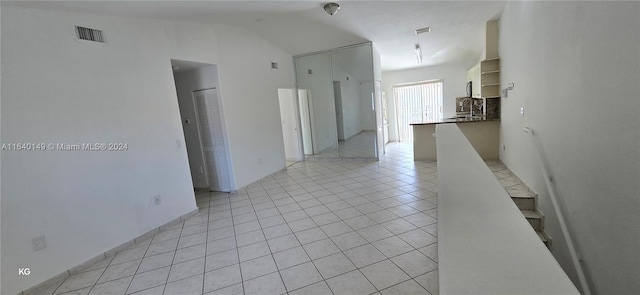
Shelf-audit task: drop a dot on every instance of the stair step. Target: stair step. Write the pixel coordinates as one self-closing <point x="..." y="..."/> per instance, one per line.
<point x="545" y="239"/>
<point x="520" y="193"/>
<point x="534" y="218"/>
<point x="525" y="203"/>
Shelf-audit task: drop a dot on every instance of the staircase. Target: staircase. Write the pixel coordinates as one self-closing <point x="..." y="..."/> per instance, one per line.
<point x="522" y="196"/>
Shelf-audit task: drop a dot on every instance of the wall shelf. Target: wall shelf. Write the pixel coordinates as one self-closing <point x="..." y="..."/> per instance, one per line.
<point x="490" y="77"/>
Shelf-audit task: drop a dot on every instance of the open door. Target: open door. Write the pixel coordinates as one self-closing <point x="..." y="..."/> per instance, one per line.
<point x="209" y="120"/>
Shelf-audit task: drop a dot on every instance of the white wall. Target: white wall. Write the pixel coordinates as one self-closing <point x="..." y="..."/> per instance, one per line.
<point x="454" y="77"/>
<point x="576" y="69"/>
<point x="186" y="82"/>
<point x="249" y="89"/>
<point x="59" y="90"/>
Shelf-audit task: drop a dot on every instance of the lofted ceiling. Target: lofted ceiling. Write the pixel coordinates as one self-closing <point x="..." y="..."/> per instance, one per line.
<point x="299" y="27"/>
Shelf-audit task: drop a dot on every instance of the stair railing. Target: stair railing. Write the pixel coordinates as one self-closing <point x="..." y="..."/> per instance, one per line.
<point x="548" y="179"/>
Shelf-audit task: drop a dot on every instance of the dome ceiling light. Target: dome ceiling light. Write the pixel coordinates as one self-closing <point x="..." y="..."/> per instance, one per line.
<point x="331" y="8"/>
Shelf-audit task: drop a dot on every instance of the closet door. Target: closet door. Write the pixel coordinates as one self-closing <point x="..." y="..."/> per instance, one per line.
<point x="209" y="118"/>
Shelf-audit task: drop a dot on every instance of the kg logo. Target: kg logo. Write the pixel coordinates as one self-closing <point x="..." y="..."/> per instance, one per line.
<point x="24" y="271"/>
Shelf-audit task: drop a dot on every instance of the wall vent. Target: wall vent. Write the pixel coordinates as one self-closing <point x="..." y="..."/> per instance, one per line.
<point x="88" y="34"/>
<point x="274" y="65"/>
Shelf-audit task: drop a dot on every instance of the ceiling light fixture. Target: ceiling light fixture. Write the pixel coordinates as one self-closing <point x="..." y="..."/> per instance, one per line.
<point x="423" y="30"/>
<point x="331" y="8"/>
<point x="419" y="53"/>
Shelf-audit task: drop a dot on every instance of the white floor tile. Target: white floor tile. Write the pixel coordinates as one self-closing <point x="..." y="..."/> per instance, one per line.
<point x="221" y="259"/>
<point x="414" y="263"/>
<point x="253" y="251"/>
<point x="409" y="287"/>
<point x="283" y="243"/>
<point x="300" y="276"/>
<point x="291" y="257"/>
<point x="430" y="282"/>
<point x="79" y="281"/>
<point x="364" y="255"/>
<point x="269" y="284"/>
<point x="392" y="246"/>
<point x="312" y="225"/>
<point x="186" y="269"/>
<point x="320" y="248"/>
<point x="311" y="235"/>
<point x="351" y="283"/>
<point x="333" y="265"/>
<point x="149" y="279"/>
<point x="349" y="240"/>
<point x="222" y="277"/>
<point x="189" y="253"/>
<point x="320" y="288"/>
<point x="384" y="274"/>
<point x="188" y="286"/>
<point x="121" y="270"/>
<point x="118" y="286"/>
<point x="257" y="267"/>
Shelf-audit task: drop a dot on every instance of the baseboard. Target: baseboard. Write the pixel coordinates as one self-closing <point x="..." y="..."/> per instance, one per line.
<point x="58" y="279"/>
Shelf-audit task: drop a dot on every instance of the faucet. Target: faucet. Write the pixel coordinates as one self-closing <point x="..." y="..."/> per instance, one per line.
<point x="470" y="106"/>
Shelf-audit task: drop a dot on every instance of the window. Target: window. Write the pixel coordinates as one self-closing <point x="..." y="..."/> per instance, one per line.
<point x="417" y="103"/>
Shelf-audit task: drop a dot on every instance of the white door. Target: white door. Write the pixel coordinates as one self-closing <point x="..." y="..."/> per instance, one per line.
<point x="290" y="133"/>
<point x="209" y="117"/>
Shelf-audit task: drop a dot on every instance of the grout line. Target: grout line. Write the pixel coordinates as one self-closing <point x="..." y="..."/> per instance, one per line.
<point x="235" y="238"/>
<point x="206" y="242"/>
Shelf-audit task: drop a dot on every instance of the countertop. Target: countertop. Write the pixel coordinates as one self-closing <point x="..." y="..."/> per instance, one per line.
<point x="456" y="120"/>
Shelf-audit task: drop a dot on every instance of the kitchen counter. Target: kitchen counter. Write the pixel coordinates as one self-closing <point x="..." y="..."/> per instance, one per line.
<point x="482" y="133"/>
<point x="456" y="120"/>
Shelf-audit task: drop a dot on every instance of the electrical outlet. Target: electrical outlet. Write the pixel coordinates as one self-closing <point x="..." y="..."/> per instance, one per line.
<point x="521" y="111"/>
<point x="157" y="200"/>
<point x="39" y="243"/>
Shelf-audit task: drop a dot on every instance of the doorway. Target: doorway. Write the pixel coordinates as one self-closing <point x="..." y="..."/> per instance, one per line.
<point x="203" y="125"/>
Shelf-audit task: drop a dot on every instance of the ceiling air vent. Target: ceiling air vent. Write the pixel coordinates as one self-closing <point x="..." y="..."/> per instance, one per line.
<point x="88" y="34"/>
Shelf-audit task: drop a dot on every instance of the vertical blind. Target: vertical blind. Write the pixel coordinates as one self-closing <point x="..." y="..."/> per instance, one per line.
<point x="416" y="103"/>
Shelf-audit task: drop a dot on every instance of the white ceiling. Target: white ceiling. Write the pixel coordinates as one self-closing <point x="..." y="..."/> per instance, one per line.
<point x="298" y="27"/>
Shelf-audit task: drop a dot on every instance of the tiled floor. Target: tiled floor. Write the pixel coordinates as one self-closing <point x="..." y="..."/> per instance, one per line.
<point x="317" y="228"/>
<point x="360" y="145"/>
